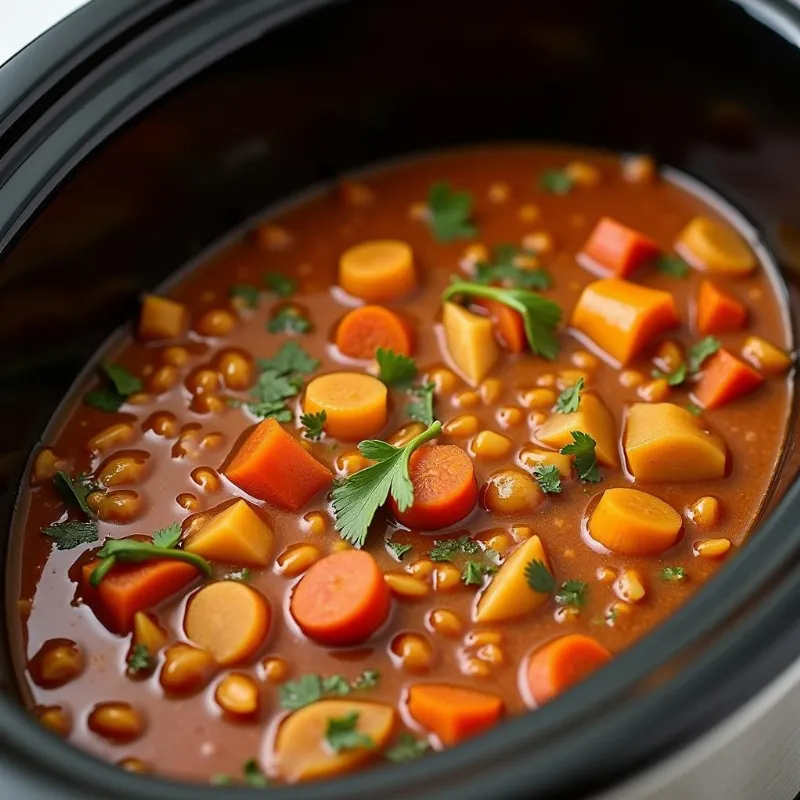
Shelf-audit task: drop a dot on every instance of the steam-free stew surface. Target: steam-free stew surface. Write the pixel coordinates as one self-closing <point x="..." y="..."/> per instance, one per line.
<point x="569" y="558"/>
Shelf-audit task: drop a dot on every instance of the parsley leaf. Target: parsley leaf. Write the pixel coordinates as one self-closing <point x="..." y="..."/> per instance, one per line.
<point x="506" y="270"/>
<point x="699" y="352"/>
<point x="289" y="360"/>
<point x="289" y="320"/>
<point x="110" y="398"/>
<point x="449" y="213"/>
<point x="539" y="578"/>
<point x="140" y="660"/>
<point x="398" y="549"/>
<point x="253" y="776"/>
<point x="75" y="490"/>
<point x="67" y="535"/>
<point x="448" y="549"/>
<point x="673" y="574"/>
<point x="540" y="316"/>
<point x="474" y="571"/>
<point x="421" y="409"/>
<point x="585" y="457"/>
<point x="363" y="493"/>
<point x="674" y="266"/>
<point x="407" y="748"/>
<point x="675" y="378"/>
<point x="241" y="575"/>
<point x="569" y="401"/>
<point x="395" y="368"/>
<point x="548" y="477"/>
<point x="297" y="694"/>
<point x="104" y="399"/>
<point x="314" y="424"/>
<point x="572" y="593"/>
<point x="341" y="734"/>
<point x="247" y="293"/>
<point x="335" y="685"/>
<point x="556" y="181"/>
<point x="122" y="380"/>
<point x="368" y="679"/>
<point x="167" y="537"/>
<point x="280" y="284"/>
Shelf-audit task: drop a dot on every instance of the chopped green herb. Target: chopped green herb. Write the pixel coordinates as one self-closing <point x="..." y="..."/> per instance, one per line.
<point x="539" y="578"/>
<point x="253" y="776"/>
<point x="368" y="679"/>
<point x="569" y="401"/>
<point x="297" y="694"/>
<point x="242" y="575"/>
<point x="585" y="457"/>
<point x="421" y="409"/>
<point x="539" y="315"/>
<point x="611" y="616"/>
<point x="247" y="293"/>
<point x="291" y="359"/>
<point x="474" y="571"/>
<point x="123" y="382"/>
<point x="67" y="535"/>
<point x="104" y="400"/>
<point x="167" y="537"/>
<point x="448" y="549"/>
<point x="341" y="734"/>
<point x="75" y="490"/>
<point x="556" y="181"/>
<point x="140" y="660"/>
<point x="699" y="352"/>
<point x="395" y="369"/>
<point x="449" y="213"/>
<point x="694" y="409"/>
<point x="505" y="269"/>
<point x="548" y="477"/>
<point x="275" y="410"/>
<point x="673" y="574"/>
<point x="111" y="398"/>
<point x="314" y="424"/>
<point x="572" y="593"/>
<point x="363" y="493"/>
<point x="280" y="284"/>
<point x="675" y="378"/>
<point x="222" y="779"/>
<point x="674" y="266"/>
<point x="335" y="685"/>
<point x="398" y="549"/>
<point x="289" y="320"/>
<point x="406" y="748"/>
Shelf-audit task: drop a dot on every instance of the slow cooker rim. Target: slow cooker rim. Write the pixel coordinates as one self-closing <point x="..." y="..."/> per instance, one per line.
<point x="519" y="731"/>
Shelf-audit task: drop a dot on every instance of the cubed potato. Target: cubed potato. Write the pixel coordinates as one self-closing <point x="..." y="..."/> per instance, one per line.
<point x="665" y="442"/>
<point x="593" y="418"/>
<point x="623" y="317"/>
<point x="470" y="342"/>
<point x="161" y="318"/>
<point x="532" y="457"/>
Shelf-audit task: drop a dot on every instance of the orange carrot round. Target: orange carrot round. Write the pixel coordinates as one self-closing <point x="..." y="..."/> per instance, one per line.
<point x="508" y="324"/>
<point x="562" y="663"/>
<point x="378" y="270"/>
<point x="363" y="330"/>
<point x="445" y="490"/>
<point x="355" y="404"/>
<point x="342" y="599"/>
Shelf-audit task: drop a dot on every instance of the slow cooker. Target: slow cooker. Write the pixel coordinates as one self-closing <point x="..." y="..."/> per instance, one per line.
<point x="136" y="133"/>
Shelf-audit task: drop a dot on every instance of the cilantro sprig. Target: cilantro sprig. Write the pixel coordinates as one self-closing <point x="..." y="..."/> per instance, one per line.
<point x="341" y="734"/>
<point x="247" y="293"/>
<point x="698" y="353"/>
<point x="75" y="490"/>
<point x="119" y="386"/>
<point x="140" y="661"/>
<point x="420" y="408"/>
<point x="673" y="574"/>
<point x="556" y="181"/>
<point x="314" y="424"/>
<point x="395" y="369"/>
<point x="289" y="319"/>
<point x="572" y="593"/>
<point x="539" y="578"/>
<point x="406" y="748"/>
<point x="583" y="450"/>
<point x="569" y="401"/>
<point x="673" y="266"/>
<point x="357" y="499"/>
<point x="279" y="284"/>
<point x="70" y="534"/>
<point x="308" y="689"/>
<point x="540" y="316"/>
<point x="505" y="270"/>
<point x="474" y="572"/>
<point x="548" y="477"/>
<point x="398" y="549"/>
<point x="448" y="549"/>
<point x="449" y="213"/>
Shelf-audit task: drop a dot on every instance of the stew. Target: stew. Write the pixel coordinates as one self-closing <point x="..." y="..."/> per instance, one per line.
<point x="418" y="454"/>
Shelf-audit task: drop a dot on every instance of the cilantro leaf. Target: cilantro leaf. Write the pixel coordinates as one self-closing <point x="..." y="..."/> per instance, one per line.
<point x="694" y="409"/>
<point x="167" y="537"/>
<point x="556" y="181"/>
<point x="363" y="493"/>
<point x="675" y="378"/>
<point x="474" y="571"/>
<point x="406" y="748"/>
<point x="123" y="382"/>
<point x="241" y="575"/>
<point x="104" y="399"/>
<point x="67" y="535"/>
<point x="341" y="734"/>
<point x="335" y="685"/>
<point x="395" y="368"/>
<point x="699" y="352"/>
<point x="548" y="477"/>
<point x="247" y="293"/>
<point x="585" y="457"/>
<point x="280" y="284"/>
<point x="140" y="660"/>
<point x="448" y="549"/>
<point x="314" y="424"/>
<point x="674" y="266"/>
<point x="253" y="776"/>
<point x="569" y="401"/>
<point x="75" y="490"/>
<point x="272" y="387"/>
<point x="368" y="679"/>
<point x="673" y="574"/>
<point x="421" y="409"/>
<point x="540" y="316"/>
<point x="297" y="694"/>
<point x="449" y="213"/>
<point x="539" y="578"/>
<point x="289" y="320"/>
<point x="290" y="359"/>
<point x="505" y="269"/>
<point x="572" y="593"/>
<point x="398" y="549"/>
<point x="275" y="410"/>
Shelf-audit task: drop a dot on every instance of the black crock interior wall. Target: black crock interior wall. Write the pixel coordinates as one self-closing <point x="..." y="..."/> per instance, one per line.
<point x="697" y="83"/>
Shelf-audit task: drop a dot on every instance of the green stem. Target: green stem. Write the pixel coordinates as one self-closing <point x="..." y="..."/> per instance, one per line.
<point x="132" y="551"/>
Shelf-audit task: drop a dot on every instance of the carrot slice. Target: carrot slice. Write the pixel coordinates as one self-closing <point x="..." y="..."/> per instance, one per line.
<point x="557" y="666"/>
<point x="717" y="311"/>
<point x="725" y="378"/>
<point x="378" y="270"/>
<point x="161" y="318"/>
<point x="634" y="523"/>
<point x="453" y="713"/>
<point x="445" y="489"/>
<point x="365" y="329"/>
<point x="618" y="248"/>
<point x="272" y="465"/>
<point x="229" y="619"/>
<point x="355" y="404"/>
<point x="508" y="325"/>
<point x="128" y="588"/>
<point x="342" y="599"/>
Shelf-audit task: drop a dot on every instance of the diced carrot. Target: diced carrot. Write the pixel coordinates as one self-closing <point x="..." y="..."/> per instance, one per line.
<point x="725" y="378"/>
<point x="453" y="713"/>
<point x="355" y="404"/>
<point x="623" y="317"/>
<point x="161" y="318"/>
<point x="618" y="248"/>
<point x="229" y="619"/>
<point x="128" y="588"/>
<point x="715" y="247"/>
<point x="717" y="311"/>
<point x="342" y="599"/>
<point x="378" y="270"/>
<point x="508" y="325"/>
<point x="273" y="466"/>
<point x="765" y="357"/>
<point x="445" y="489"/>
<point x="560" y="664"/>
<point x="363" y="330"/>
<point x="634" y="523"/>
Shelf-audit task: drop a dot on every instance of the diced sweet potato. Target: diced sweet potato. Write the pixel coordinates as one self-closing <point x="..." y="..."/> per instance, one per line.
<point x="717" y="311"/>
<point x="470" y="342"/>
<point x="725" y="378"/>
<point x="161" y="318"/>
<point x="618" y="249"/>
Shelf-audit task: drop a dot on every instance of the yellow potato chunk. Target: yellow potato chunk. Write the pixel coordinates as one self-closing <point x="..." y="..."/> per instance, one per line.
<point x="301" y="752"/>
<point x="765" y="357"/>
<point x="237" y="535"/>
<point x="715" y="247"/>
<point x="509" y="595"/>
<point x="592" y="417"/>
<point x="470" y="342"/>
<point x="664" y="442"/>
<point x="161" y="318"/>
<point x="532" y="457"/>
